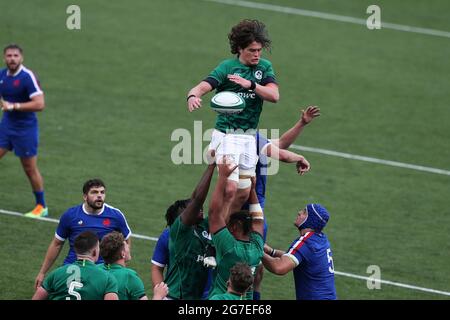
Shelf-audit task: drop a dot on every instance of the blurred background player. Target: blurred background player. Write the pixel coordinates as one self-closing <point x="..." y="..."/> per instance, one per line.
<point x="253" y="79"/>
<point x="93" y="214"/>
<point x="310" y="257"/>
<point x="116" y="253"/>
<point x="20" y="98"/>
<point x="240" y="281"/>
<point x="82" y="279"/>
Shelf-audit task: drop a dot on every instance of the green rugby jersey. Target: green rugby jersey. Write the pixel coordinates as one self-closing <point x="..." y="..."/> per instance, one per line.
<point x="81" y="280"/>
<point x="227" y="296"/>
<point x="262" y="74"/>
<point x="129" y="285"/>
<point x="186" y="276"/>
<point x="228" y="252"/>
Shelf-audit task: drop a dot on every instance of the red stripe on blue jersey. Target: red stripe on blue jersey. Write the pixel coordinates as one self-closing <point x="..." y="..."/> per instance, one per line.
<point x="301" y="241"/>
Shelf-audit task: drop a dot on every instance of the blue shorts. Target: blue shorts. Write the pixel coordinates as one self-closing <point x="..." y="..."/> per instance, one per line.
<point x="24" y="142"/>
<point x="266" y="227"/>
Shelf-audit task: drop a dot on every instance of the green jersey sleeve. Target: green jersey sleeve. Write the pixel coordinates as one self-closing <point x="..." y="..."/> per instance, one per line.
<point x="136" y="286"/>
<point x="223" y="241"/>
<point x="111" y="284"/>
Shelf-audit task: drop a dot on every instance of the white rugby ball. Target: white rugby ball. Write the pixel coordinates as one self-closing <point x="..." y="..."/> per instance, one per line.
<point x="227" y="102"/>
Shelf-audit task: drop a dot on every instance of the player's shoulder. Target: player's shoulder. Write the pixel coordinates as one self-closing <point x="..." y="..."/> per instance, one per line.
<point x="264" y="63"/>
<point x="112" y="210"/>
<point x="3" y="72"/>
<point x="73" y="210"/>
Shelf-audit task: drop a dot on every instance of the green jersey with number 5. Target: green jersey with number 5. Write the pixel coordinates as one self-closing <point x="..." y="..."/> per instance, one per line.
<point x="81" y="280"/>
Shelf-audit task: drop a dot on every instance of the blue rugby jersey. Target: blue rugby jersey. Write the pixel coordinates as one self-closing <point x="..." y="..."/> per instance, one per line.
<point x="19" y="87"/>
<point x="314" y="271"/>
<point x="76" y="220"/>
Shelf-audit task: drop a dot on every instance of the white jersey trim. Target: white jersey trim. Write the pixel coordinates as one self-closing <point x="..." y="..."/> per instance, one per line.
<point x="35" y="83"/>
<point x="293" y="258"/>
<point x="59" y="237"/>
<point x="158" y="264"/>
<point x="93" y="214"/>
<point x="125" y="219"/>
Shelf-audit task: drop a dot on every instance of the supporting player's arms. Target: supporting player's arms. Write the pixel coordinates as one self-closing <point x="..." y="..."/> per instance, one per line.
<point x="189" y="215"/>
<point x="256" y="210"/>
<point x="221" y="199"/>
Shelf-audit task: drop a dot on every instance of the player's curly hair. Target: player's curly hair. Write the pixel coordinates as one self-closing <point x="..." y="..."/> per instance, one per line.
<point x="247" y="31"/>
<point x="111" y="247"/>
<point x="241" y="277"/>
<point x="175" y="210"/>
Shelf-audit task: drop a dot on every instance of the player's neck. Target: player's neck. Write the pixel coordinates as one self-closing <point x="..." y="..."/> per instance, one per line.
<point x="305" y="231"/>
<point x="87" y="208"/>
<point x="14" y="72"/>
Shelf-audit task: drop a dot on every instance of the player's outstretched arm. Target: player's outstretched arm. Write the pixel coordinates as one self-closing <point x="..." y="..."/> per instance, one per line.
<point x="189" y="216"/>
<point x="289" y="136"/>
<point x="194" y="100"/>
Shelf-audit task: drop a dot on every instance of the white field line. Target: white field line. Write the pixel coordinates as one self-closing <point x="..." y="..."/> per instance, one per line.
<point x="18" y="214"/>
<point x="345" y="274"/>
<point x="373" y="160"/>
<point x="329" y="16"/>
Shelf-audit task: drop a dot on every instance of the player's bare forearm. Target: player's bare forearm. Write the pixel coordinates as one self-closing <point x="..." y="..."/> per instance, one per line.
<point x="278" y="265"/>
<point x="52" y="254"/>
<point x="216" y="206"/>
<point x="307" y="116"/>
<point x="189" y="215"/>
<point x="157" y="274"/>
<point x="194" y="95"/>
<point x="36" y="104"/>
<point x="269" y="92"/>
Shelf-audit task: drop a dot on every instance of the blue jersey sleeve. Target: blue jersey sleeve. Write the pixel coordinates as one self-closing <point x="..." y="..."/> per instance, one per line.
<point x="161" y="254"/>
<point x="261" y="143"/>
<point x="31" y="85"/>
<point x="63" y="229"/>
<point x="123" y="225"/>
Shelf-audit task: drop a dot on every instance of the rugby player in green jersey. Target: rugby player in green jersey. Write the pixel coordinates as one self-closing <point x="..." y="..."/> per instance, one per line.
<point x="240" y="281"/>
<point x="253" y="79"/>
<point x="188" y="241"/>
<point x="81" y="280"/>
<point x="237" y="237"/>
<point x="116" y="252"/>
